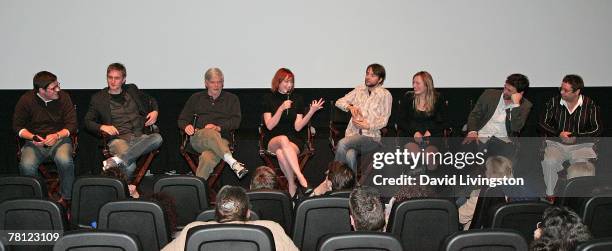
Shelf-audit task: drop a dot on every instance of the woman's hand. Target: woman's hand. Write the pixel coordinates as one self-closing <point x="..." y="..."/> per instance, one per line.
<point x="317" y="105"/>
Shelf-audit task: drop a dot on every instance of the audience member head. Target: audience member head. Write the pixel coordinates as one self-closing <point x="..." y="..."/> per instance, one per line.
<point x="232" y="204"/>
<point x="571" y="87"/>
<point x="366" y="209"/>
<point x="498" y="167"/>
<point x="264" y="178"/>
<point x="375" y="75"/>
<point x="168" y="204"/>
<point x="115" y="172"/>
<point x="560" y="229"/>
<point x="283" y="81"/>
<point x="424" y="91"/>
<point x="412" y="192"/>
<point x="340" y="176"/>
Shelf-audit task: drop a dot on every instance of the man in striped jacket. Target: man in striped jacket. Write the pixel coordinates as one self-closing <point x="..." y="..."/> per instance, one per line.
<point x="571" y="120"/>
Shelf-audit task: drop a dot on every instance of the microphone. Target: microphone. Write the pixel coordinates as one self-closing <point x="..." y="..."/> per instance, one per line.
<point x="194" y="120"/>
<point x="288" y="98"/>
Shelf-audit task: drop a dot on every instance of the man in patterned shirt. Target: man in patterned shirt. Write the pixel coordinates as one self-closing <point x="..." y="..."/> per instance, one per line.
<point x="569" y="120"/>
<point x="370" y="107"/>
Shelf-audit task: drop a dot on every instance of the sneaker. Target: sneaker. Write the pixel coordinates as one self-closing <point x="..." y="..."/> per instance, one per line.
<point x="108" y="163"/>
<point x="239" y="169"/>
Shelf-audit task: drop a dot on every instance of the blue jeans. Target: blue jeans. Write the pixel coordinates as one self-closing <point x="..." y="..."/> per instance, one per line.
<point x="61" y="153"/>
<point x="130" y="150"/>
<point x="349" y="147"/>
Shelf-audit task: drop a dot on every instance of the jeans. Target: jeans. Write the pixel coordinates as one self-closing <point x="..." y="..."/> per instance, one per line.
<point x="130" y="150"/>
<point x="349" y="147"/>
<point x="61" y="154"/>
<point x="211" y="147"/>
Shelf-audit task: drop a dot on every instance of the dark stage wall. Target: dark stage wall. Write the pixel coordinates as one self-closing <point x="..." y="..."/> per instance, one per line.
<point x="171" y="102"/>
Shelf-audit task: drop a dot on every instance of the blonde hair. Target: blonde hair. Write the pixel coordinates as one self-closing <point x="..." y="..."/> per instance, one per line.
<point x="430" y="93"/>
<point x="498" y="167"/>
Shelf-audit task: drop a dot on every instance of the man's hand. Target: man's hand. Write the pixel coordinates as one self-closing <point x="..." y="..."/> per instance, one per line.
<point x="471" y="136"/>
<point x="418" y="136"/>
<point x="151" y="118"/>
<point x="355" y="112"/>
<point x="213" y="126"/>
<point x="361" y="124"/>
<point x="516" y="98"/>
<point x="51" y="139"/>
<point x="189" y="130"/>
<point x="567" y="138"/>
<point x="109" y="129"/>
<point x="38" y="140"/>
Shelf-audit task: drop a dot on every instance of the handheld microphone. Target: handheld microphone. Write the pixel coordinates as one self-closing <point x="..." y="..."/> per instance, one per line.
<point x="288" y="98"/>
<point x="194" y="120"/>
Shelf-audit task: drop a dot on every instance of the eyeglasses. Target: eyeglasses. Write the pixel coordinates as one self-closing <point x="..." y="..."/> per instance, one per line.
<point x="565" y="91"/>
<point x="56" y="88"/>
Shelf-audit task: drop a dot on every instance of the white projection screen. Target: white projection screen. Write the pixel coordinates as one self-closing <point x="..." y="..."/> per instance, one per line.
<point x="327" y="44"/>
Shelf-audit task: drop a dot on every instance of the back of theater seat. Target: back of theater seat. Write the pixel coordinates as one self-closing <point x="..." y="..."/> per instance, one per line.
<point x="274" y="206"/>
<point x="316" y="217"/>
<point x="520" y="216"/>
<point x="360" y="241"/>
<point x="602" y="244"/>
<point x="21" y="187"/>
<point x="190" y="195"/>
<point x="90" y="193"/>
<point x="229" y="237"/>
<point x="422" y="224"/>
<point x="98" y="240"/>
<point x="597" y="216"/>
<point x="485" y="239"/>
<point x="144" y="219"/>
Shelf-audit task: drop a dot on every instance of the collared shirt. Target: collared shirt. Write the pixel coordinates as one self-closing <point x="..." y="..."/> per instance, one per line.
<point x="375" y="106"/>
<point x="563" y="103"/>
<point x="496" y="126"/>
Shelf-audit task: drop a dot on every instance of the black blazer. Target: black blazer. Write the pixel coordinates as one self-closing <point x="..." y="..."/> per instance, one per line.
<point x="99" y="112"/>
<point x="485" y="108"/>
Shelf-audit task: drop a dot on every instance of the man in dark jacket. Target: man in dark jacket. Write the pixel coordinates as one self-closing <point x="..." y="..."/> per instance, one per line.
<point x="45" y="117"/>
<point x="499" y="115"/>
<point x="123" y="111"/>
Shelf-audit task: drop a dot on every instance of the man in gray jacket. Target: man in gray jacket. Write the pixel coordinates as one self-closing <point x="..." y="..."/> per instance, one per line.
<point x="499" y="115"/>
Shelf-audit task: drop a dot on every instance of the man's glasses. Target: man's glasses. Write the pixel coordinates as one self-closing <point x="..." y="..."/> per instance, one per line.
<point x="55" y="88"/>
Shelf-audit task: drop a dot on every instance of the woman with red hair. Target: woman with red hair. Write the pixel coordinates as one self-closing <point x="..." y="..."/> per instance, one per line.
<point x="285" y="116"/>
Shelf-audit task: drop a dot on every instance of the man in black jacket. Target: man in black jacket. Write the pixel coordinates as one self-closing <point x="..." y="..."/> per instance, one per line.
<point x="499" y="115"/>
<point x="123" y="111"/>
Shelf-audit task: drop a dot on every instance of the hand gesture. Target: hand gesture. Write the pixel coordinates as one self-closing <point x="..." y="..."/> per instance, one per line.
<point x="317" y="105"/>
<point x="151" y="118"/>
<point x="285" y="105"/>
<point x="516" y="98"/>
<point x="109" y="129"/>
<point x="213" y="126"/>
<point x="51" y="139"/>
<point x="189" y="130"/>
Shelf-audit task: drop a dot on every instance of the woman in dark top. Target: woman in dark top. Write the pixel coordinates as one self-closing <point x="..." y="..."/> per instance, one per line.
<point x="423" y="116"/>
<point x="285" y="116"/>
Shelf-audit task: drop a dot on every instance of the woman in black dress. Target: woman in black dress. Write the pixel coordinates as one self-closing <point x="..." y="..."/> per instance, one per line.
<point x="423" y="116"/>
<point x="285" y="116"/>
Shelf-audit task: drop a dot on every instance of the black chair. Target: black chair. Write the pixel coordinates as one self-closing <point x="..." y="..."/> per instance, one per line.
<point x="90" y="193"/>
<point x="489" y="199"/>
<point x="576" y="192"/>
<point x="96" y="240"/>
<point x="34" y="215"/>
<point x="47" y="167"/>
<point x="273" y="205"/>
<point x="209" y="215"/>
<point x="144" y="219"/>
<point x="345" y="193"/>
<point x="190" y="195"/>
<point x="193" y="158"/>
<point x="360" y="241"/>
<point x="21" y="187"/>
<point x="316" y="217"/>
<point x="485" y="239"/>
<point x="229" y="237"/>
<point x="422" y="224"/>
<point x="603" y="244"/>
<point x="520" y="216"/>
<point x="597" y="216"/>
<point x="307" y="133"/>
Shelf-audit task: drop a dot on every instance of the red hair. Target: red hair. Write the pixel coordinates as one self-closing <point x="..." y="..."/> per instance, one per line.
<point x="282" y="74"/>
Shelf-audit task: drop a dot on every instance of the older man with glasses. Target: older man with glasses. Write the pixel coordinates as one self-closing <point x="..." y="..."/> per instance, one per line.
<point x="45" y="118"/>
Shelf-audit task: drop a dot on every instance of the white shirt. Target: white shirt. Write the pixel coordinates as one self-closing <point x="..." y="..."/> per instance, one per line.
<point x="496" y="126"/>
<point x="563" y="103"/>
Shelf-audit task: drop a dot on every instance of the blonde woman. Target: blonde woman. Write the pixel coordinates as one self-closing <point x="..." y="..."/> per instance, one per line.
<point x="423" y="116"/>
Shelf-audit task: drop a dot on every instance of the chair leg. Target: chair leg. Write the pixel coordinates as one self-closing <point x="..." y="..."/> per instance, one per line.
<point x="213" y="181"/>
<point x="142" y="169"/>
<point x="52" y="180"/>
